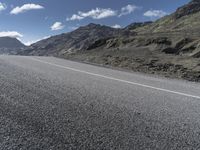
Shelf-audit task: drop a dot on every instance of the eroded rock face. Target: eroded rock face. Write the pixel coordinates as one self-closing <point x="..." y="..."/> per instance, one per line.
<point x="159" y="40"/>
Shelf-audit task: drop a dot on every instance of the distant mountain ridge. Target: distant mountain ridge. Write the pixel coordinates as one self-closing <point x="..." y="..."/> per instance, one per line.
<point x="77" y="40"/>
<point x="8" y="42"/>
<point x="10" y="45"/>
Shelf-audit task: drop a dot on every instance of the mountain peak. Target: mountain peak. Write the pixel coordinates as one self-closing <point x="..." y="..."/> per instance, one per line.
<point x="10" y="45"/>
<point x="77" y="40"/>
<point x="10" y="42"/>
<point x="190" y="8"/>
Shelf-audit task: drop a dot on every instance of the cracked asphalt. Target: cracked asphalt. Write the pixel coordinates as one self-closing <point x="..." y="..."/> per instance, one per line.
<point x="54" y="104"/>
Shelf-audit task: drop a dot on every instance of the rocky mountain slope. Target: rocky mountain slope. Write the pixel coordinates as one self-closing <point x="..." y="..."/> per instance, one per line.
<point x="169" y="46"/>
<point x="185" y="19"/>
<point x="136" y="25"/>
<point x="10" y="45"/>
<point x="77" y="40"/>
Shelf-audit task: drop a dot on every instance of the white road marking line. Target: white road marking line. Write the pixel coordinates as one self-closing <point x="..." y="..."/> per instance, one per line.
<point x="116" y="79"/>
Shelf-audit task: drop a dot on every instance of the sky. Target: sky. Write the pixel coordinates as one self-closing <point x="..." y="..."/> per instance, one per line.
<point x="33" y="20"/>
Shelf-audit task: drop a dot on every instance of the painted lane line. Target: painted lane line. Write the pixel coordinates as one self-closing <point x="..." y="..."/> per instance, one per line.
<point x="116" y="79"/>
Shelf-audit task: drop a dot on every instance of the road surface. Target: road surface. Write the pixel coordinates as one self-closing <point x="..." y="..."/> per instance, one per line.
<point x="55" y="104"/>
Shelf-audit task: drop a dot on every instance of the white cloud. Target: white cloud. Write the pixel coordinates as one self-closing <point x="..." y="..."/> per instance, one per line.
<point x="34" y="41"/>
<point x="98" y="13"/>
<point x="12" y="34"/>
<point x="57" y="26"/>
<point x="2" y="6"/>
<point x="128" y="10"/>
<point x="155" y="13"/>
<point x="75" y="17"/>
<point x="25" y="7"/>
<point x="116" y="26"/>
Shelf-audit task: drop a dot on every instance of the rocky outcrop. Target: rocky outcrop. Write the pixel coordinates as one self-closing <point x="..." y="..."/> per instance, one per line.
<point x="188" y="9"/>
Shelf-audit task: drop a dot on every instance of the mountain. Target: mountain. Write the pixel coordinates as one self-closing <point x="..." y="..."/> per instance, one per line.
<point x="191" y="8"/>
<point x="169" y="46"/>
<point x="10" y="45"/>
<point x="74" y="41"/>
<point x="185" y="19"/>
<point x="178" y="33"/>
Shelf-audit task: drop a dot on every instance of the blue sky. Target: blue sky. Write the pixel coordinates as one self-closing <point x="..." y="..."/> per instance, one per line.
<point x="31" y="20"/>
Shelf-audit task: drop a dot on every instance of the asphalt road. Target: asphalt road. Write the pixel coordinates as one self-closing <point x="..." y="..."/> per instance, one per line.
<point x="54" y="104"/>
